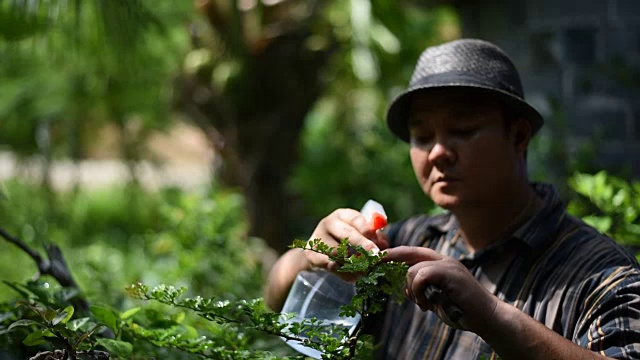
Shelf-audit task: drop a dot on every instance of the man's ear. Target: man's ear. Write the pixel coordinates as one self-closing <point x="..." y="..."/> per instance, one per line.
<point x="522" y="132"/>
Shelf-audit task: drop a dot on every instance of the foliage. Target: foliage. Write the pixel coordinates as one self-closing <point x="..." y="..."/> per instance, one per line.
<point x="43" y="319"/>
<point x="610" y="204"/>
<point x="378" y="281"/>
<point x="81" y="66"/>
<point x="233" y="324"/>
<point x="342" y="61"/>
<point x="234" y="321"/>
<point x="122" y="235"/>
<point x="89" y="64"/>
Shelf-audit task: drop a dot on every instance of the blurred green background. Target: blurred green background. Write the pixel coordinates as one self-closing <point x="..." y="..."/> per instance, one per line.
<point x="189" y="143"/>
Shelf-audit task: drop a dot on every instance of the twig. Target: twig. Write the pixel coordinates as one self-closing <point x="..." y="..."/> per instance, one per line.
<point x="19" y="243"/>
<point x="56" y="267"/>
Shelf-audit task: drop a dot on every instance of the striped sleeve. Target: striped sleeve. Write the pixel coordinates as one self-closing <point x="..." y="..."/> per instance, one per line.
<point x="610" y="324"/>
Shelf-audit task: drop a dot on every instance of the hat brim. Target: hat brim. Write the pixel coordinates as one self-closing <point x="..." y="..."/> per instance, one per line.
<point x="398" y="113"/>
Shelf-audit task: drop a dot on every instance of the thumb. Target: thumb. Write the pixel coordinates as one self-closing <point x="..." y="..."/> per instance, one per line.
<point x="411" y="254"/>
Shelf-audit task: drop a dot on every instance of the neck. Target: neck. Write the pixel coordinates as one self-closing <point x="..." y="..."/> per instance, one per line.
<point x="486" y="224"/>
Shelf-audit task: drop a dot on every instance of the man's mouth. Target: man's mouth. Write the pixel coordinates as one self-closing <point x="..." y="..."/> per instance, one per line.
<point x="446" y="179"/>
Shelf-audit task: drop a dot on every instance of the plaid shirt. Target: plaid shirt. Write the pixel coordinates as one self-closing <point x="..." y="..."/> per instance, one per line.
<point x="554" y="267"/>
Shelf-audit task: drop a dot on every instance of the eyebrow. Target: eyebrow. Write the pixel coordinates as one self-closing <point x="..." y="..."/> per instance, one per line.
<point x="462" y="115"/>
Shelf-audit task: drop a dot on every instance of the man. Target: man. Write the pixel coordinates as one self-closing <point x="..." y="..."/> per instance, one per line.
<point x="530" y="280"/>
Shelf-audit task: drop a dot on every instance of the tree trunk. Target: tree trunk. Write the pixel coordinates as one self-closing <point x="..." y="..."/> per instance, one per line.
<point x="256" y="122"/>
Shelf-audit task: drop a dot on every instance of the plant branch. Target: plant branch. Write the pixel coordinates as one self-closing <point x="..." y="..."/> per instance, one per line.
<point x="66" y="344"/>
<point x="210" y="315"/>
<point x="56" y="266"/>
<point x="24" y="247"/>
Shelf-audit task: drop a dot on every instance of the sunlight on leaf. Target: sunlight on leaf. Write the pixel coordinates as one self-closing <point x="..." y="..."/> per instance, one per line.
<point x="116" y="347"/>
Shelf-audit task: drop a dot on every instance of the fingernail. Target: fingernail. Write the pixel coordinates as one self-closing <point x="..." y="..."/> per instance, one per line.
<point x="375" y="251"/>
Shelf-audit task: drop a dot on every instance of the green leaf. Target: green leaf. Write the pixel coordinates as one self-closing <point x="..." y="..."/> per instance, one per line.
<point x="70" y="311"/>
<point x="105" y="316"/>
<point x="116" y="347"/>
<point x="601" y="223"/>
<point x="63" y="317"/>
<point x="18" y="288"/>
<point x="620" y="197"/>
<point x="630" y="214"/>
<point x="129" y="313"/>
<point x="49" y="314"/>
<point x="633" y="228"/>
<point x="24" y="322"/>
<point x="297" y="243"/>
<point x="179" y="317"/>
<point x="39" y="291"/>
<point x="76" y="324"/>
<point x="36" y="337"/>
<point x="88" y="334"/>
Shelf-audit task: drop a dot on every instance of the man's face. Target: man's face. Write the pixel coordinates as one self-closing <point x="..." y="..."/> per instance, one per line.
<point x="462" y="152"/>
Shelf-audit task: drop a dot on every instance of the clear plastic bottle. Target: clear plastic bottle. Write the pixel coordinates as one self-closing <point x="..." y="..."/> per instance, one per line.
<point x="321" y="294"/>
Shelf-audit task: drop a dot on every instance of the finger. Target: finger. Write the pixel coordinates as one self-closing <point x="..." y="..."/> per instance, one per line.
<point x="410" y="295"/>
<point x="351" y="224"/>
<point x="411" y="254"/>
<point x="326" y="229"/>
<point x="423" y="275"/>
<point x="419" y="280"/>
<point x="340" y="224"/>
<point x="359" y="222"/>
<point x="319" y="261"/>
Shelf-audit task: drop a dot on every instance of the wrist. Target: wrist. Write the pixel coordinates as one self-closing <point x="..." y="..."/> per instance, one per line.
<point x="498" y="324"/>
<point x="511" y="333"/>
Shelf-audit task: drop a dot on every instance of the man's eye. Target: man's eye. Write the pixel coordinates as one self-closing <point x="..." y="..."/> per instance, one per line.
<point x="421" y="140"/>
<point x="464" y="132"/>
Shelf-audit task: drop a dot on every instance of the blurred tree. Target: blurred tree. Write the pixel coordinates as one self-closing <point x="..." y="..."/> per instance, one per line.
<point x="259" y="67"/>
<point x="255" y="74"/>
<point x="70" y="67"/>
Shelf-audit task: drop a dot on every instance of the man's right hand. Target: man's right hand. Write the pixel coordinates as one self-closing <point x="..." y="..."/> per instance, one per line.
<point x="341" y="224"/>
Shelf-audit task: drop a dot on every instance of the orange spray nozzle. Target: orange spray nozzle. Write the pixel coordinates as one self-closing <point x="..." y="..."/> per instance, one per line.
<point x="375" y="215"/>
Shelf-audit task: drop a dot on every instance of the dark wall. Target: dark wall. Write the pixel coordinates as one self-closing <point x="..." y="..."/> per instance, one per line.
<point x="580" y="66"/>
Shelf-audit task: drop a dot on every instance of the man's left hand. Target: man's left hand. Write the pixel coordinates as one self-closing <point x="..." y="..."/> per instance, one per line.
<point x="427" y="267"/>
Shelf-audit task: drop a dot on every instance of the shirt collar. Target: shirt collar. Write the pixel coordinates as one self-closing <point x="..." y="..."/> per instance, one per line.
<point x="537" y="230"/>
<point x="532" y="235"/>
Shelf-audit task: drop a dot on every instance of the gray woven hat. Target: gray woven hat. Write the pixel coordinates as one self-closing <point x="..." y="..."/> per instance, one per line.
<point x="465" y="63"/>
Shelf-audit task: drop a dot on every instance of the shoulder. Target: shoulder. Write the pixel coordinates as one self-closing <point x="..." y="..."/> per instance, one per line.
<point x="588" y="264"/>
<point x="591" y="248"/>
<point x="578" y="255"/>
<point x="414" y="230"/>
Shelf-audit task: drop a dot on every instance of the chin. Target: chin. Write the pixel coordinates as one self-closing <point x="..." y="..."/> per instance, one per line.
<point x="447" y="202"/>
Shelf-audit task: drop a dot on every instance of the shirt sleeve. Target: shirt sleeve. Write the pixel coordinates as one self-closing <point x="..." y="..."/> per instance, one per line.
<point x="610" y="324"/>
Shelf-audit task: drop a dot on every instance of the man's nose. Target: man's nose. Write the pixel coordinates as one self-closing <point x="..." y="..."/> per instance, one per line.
<point x="442" y="154"/>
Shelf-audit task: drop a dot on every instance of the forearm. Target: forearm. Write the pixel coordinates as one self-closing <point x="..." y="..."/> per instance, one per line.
<point x="282" y="276"/>
<point x="515" y="335"/>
